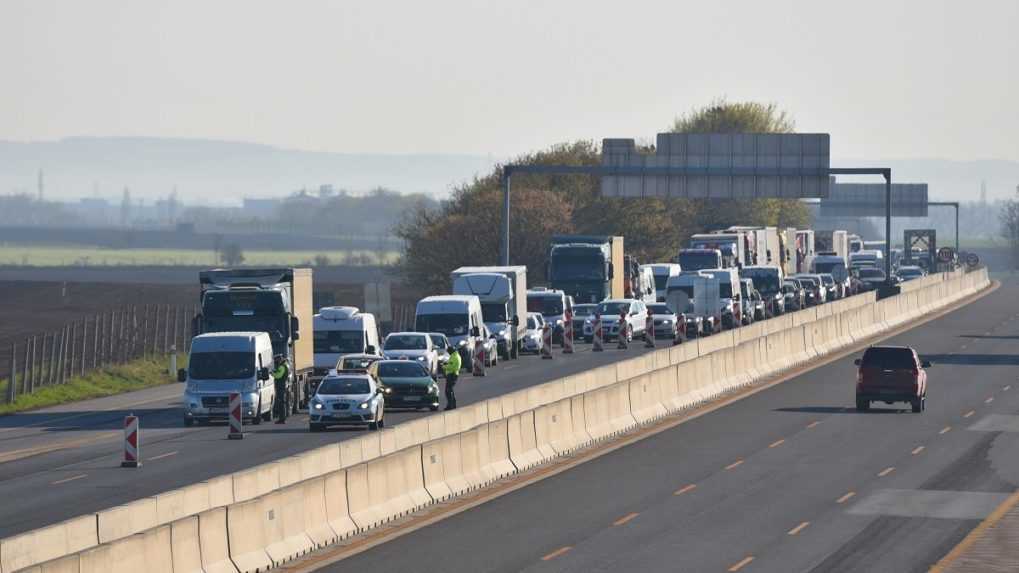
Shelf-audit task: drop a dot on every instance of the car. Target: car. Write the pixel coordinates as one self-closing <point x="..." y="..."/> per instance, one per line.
<point x="352" y="363"/>
<point x="412" y="346"/>
<point x="636" y="319"/>
<point x="815" y="291"/>
<point x="870" y="278"/>
<point x="891" y="374"/>
<point x="794" y="293"/>
<point x="747" y="287"/>
<point x="407" y="384"/>
<point x="533" y="338"/>
<point x="757" y="305"/>
<point x="441" y="344"/>
<point x="580" y="314"/>
<point x="831" y="286"/>
<point x="909" y="272"/>
<point x="347" y="400"/>
<point x="491" y="345"/>
<point x="668" y="324"/>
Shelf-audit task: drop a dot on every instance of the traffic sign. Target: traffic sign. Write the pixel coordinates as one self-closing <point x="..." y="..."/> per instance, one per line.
<point x="972" y="260"/>
<point x="946" y="254"/>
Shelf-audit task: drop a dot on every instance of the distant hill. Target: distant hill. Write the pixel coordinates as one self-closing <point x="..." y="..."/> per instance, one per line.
<point x="217" y="172"/>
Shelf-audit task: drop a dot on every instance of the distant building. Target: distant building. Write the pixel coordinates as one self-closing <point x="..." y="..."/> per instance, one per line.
<point x="261" y="208"/>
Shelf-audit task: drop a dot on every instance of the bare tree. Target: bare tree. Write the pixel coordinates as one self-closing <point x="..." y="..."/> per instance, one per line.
<point x="1009" y="217"/>
<point x="232" y="254"/>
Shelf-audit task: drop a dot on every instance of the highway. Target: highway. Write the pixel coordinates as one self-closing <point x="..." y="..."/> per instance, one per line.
<point x="64" y="461"/>
<point x="790" y="478"/>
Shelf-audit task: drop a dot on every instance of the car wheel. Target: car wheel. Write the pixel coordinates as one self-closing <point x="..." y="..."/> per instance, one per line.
<point x="315" y="427"/>
<point x="917" y="404"/>
<point x="267" y="415"/>
<point x="373" y="426"/>
<point x="188" y="422"/>
<point x="862" y="405"/>
<point x="257" y="419"/>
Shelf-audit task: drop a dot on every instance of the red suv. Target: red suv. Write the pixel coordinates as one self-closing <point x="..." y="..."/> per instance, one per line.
<point x="891" y="374"/>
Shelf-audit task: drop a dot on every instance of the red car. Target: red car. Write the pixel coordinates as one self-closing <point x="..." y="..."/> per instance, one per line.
<point x="891" y="374"/>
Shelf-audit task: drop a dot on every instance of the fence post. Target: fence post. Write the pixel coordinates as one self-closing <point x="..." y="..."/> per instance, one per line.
<point x="51" y="368"/>
<point x="176" y="325"/>
<point x="111" y="335"/>
<point x="84" y="344"/>
<point x="134" y="332"/>
<point x="95" y="344"/>
<point x="166" y="331"/>
<point x="122" y="339"/>
<point x="73" y="328"/>
<point x="37" y="360"/>
<point x="60" y="358"/>
<point x="12" y="388"/>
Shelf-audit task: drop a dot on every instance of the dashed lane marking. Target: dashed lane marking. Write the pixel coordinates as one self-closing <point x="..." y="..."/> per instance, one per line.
<point x="65" y="480"/>
<point x="798" y="528"/>
<point x="886" y="471"/>
<point x="812" y="424"/>
<point x="968" y="414"/>
<point x="845" y="497"/>
<point x="777" y="443"/>
<point x="685" y="489"/>
<point x="161" y="456"/>
<point x="625" y="519"/>
<point x="1007" y="388"/>
<point x="945" y="430"/>
<point x="917" y="450"/>
<point x="742" y="563"/>
<point x="734" y="464"/>
<point x="557" y="553"/>
<point x="989" y="400"/>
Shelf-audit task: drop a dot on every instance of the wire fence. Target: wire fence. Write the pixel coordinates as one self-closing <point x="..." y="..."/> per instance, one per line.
<point x="92" y="343"/>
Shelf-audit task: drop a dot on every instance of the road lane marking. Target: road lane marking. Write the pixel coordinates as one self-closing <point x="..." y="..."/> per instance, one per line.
<point x="734" y="464"/>
<point x="1007" y="388"/>
<point x="557" y="553"/>
<point x="777" y="443"/>
<point x="917" y="450"/>
<point x="161" y="456"/>
<point x="886" y="471"/>
<point x="812" y="424"/>
<point x="685" y="489"/>
<point x="945" y="430"/>
<point x="989" y="400"/>
<point x="968" y="414"/>
<point x="743" y="563"/>
<point x="798" y="528"/>
<point x="845" y="497"/>
<point x="65" y="480"/>
<point x="625" y="519"/>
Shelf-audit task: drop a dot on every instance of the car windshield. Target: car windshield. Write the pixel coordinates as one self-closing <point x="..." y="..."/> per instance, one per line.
<point x="343" y="386"/>
<point x="532" y="324"/>
<point x="221" y="365"/>
<point x="871" y="274"/>
<point x="402" y="369"/>
<point x="546" y="305"/>
<point x="356" y="363"/>
<point x="438" y="341"/>
<point x="809" y="280"/>
<point x="583" y="309"/>
<point x="888" y="358"/>
<point x="659" y="309"/>
<point x="453" y="324"/>
<point x="764" y="280"/>
<point x="406" y="342"/>
<point x="827" y="279"/>
<point x="698" y="261"/>
<point x="338" y="341"/>
<point x="613" y="308"/>
<point x="661" y="281"/>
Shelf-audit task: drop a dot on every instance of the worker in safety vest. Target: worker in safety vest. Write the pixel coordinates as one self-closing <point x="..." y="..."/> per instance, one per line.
<point x="452" y="371"/>
<point x="280" y="377"/>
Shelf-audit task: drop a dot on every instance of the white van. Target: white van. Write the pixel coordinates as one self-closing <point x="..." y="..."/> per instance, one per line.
<point x="661" y="273"/>
<point x="457" y="316"/>
<point x="694" y="294"/>
<point x="224" y="362"/>
<point x="729" y="293"/>
<point x="342" y="330"/>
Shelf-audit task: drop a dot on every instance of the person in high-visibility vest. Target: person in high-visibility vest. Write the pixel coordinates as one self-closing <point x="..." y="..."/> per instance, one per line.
<point x="280" y="377"/>
<point x="452" y="371"/>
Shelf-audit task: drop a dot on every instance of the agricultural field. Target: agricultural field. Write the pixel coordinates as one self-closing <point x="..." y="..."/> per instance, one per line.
<point x="80" y="255"/>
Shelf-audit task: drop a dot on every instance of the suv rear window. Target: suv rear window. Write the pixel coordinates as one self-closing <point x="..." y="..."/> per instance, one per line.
<point x="888" y="358"/>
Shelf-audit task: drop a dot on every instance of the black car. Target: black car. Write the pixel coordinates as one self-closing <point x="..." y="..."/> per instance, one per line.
<point x="407" y="384"/>
<point x="870" y="278"/>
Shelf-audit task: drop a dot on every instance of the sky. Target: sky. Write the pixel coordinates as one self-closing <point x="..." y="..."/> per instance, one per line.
<point x="887" y="79"/>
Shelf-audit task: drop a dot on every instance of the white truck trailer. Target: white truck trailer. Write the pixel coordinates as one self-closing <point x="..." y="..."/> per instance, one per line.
<point x="503" y="295"/>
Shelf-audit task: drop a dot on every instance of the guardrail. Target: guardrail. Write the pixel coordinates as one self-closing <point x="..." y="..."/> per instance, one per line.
<point x="270" y="514"/>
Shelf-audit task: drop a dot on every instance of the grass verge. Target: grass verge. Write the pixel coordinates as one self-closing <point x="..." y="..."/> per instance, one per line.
<point x="134" y="375"/>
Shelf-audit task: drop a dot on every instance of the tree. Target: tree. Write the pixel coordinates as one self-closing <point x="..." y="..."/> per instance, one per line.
<point x="722" y="116"/>
<point x="232" y="254"/>
<point x="1009" y="217"/>
<point x="321" y="260"/>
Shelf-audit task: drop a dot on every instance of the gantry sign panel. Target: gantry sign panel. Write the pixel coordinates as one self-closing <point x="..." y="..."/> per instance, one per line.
<point x="868" y="200"/>
<point x="720" y="166"/>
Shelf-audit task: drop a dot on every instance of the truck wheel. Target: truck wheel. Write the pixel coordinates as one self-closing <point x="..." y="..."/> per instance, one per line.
<point x="188" y="422"/>
<point x="917" y="404"/>
<point x="862" y="405"/>
<point x="315" y="427"/>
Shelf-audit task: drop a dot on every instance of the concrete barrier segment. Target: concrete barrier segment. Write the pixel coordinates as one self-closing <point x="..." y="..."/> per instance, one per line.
<point x="432" y="468"/>
<point x="126" y="520"/>
<point x="214" y="541"/>
<point x="255" y="482"/>
<point x="500" y="463"/>
<point x="315" y="512"/>
<point x="186" y="546"/>
<point x="337" y="511"/>
<point x="545" y="417"/>
<point x="249" y="534"/>
<point x="452" y="465"/>
<point x="179" y="503"/>
<point x="363" y="512"/>
<point x="48" y="543"/>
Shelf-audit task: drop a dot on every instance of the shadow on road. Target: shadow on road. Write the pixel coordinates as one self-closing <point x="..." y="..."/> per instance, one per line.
<point x="974" y="359"/>
<point x="92" y="420"/>
<point x="837" y="410"/>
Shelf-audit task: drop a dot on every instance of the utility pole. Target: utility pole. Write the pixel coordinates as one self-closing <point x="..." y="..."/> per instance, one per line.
<point x="40" y="185"/>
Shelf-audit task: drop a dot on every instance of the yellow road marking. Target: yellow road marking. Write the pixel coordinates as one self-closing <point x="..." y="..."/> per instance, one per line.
<point x="812" y="424"/>
<point x="777" y="444"/>
<point x="743" y="563"/>
<point x="798" y="528"/>
<point x="917" y="450"/>
<point x="685" y="489"/>
<point x="625" y="519"/>
<point x="845" y="497"/>
<point x="968" y="414"/>
<point x="886" y="471"/>
<point x="65" y="480"/>
<point x="734" y="464"/>
<point x="945" y="430"/>
<point x="557" y="553"/>
<point x="161" y="456"/>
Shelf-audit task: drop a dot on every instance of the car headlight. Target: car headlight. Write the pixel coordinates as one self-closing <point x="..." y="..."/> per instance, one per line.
<point x="421" y="358"/>
<point x="559" y="322"/>
<point x="462" y="343"/>
<point x="363" y="406"/>
<point x="317" y="405"/>
<point x="667" y="321"/>
<point x="502" y="333"/>
<point x="433" y="389"/>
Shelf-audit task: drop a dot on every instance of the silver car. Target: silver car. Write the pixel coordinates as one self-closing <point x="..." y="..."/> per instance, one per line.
<point x="347" y="399"/>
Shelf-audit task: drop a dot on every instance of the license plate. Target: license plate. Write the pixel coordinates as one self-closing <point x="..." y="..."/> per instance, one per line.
<point x="217" y="410"/>
<point x="412" y="398"/>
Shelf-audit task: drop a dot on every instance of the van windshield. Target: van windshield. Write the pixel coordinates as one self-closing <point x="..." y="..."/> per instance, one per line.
<point x="661" y="281"/>
<point x="338" y="341"/>
<point x="546" y="305"/>
<point x="221" y="365"/>
<point x="725" y="290"/>
<point x="448" y="324"/>
<point x="685" y="289"/>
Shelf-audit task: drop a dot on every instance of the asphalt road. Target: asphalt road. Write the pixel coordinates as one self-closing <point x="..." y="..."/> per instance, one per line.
<point x="791" y="478"/>
<point x="64" y="461"/>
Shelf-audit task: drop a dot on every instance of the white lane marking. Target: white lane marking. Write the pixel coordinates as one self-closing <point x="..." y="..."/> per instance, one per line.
<point x="161" y="456"/>
<point x="65" y="480"/>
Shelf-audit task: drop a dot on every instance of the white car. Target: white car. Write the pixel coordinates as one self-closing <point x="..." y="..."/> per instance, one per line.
<point x="535" y="327"/>
<point x="636" y="317"/>
<point x="667" y="323"/>
<point x="347" y="399"/>
<point x="412" y="346"/>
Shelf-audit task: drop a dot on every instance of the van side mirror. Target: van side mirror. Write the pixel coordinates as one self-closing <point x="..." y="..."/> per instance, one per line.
<point x="926" y="364"/>
<point x="182" y="375"/>
<point x="475" y="331"/>
<point x="516" y="321"/>
<point x="857" y="362"/>
<point x="370" y="349"/>
<point x="263" y="374"/>
<point x="612" y="270"/>
<point x="295" y="328"/>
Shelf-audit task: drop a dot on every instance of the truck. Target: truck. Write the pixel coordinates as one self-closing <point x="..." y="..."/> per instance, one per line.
<point x="276" y="301"/>
<point x="693" y="260"/>
<point x="765" y="247"/>
<point x="587" y="267"/>
<point x="503" y="295"/>
<point x="805" y="243"/>
<point x="735" y="247"/>
<point x="836" y="242"/>
<point x="767" y="281"/>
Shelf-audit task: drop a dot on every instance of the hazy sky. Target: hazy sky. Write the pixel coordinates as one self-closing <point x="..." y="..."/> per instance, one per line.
<point x="887" y="79"/>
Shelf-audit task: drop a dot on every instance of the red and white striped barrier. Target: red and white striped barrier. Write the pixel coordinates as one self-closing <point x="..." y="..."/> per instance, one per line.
<point x="599" y="336"/>
<point x="649" y="332"/>
<point x="546" y="342"/>
<point x="623" y="329"/>
<point x="236" y="417"/>
<point x="568" y="332"/>
<point x="478" y="367"/>
<point x="132" y="452"/>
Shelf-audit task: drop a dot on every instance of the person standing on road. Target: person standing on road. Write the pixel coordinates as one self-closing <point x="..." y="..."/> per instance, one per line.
<point x="452" y="372"/>
<point x="280" y="375"/>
